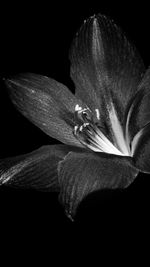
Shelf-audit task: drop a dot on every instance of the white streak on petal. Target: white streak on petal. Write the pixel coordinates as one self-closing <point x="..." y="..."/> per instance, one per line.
<point x="96" y="42"/>
<point x="75" y="129"/>
<point x="107" y="146"/>
<point x="135" y="141"/>
<point x="118" y="132"/>
<point x="12" y="171"/>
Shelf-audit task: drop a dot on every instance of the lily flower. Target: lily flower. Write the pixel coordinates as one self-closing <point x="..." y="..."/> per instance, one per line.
<point x="104" y="127"/>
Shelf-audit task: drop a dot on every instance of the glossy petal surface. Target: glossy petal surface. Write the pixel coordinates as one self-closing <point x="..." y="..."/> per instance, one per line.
<point x="37" y="169"/>
<point x="105" y="67"/>
<point x="45" y="102"/>
<point x="83" y="173"/>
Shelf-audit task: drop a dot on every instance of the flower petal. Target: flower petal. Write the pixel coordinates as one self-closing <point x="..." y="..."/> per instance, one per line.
<point x="46" y="103"/>
<point x="105" y="68"/>
<point x="139" y="112"/>
<point x="37" y="169"/>
<point x="142" y="150"/>
<point x="82" y="173"/>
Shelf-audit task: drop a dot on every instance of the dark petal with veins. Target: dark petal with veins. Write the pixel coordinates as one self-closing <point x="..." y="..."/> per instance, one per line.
<point x="37" y="170"/>
<point x="104" y="66"/>
<point x="47" y="103"/>
<point x="139" y="113"/>
<point x="142" y="151"/>
<point x="82" y="173"/>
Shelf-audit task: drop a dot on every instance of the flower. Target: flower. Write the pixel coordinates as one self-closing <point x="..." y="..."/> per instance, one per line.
<point x="104" y="127"/>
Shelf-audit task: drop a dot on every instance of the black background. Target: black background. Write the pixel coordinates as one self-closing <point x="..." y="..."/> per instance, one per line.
<point x="36" y="38"/>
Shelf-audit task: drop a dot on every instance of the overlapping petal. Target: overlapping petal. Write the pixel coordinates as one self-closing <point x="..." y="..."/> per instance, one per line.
<point x="82" y="173"/>
<point x="142" y="150"/>
<point x="138" y="123"/>
<point x="47" y="103"/>
<point x="37" y="169"/>
<point x="139" y="112"/>
<point x="105" y="67"/>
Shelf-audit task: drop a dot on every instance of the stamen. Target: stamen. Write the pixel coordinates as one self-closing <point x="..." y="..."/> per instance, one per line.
<point x="97" y="113"/>
<point x="77" y="108"/>
<point x="90" y="134"/>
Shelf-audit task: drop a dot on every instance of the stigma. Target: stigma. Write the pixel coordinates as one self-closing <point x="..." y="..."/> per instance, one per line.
<point x="90" y="134"/>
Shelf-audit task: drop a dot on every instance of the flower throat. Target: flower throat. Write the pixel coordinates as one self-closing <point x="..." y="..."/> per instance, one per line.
<point x="88" y="131"/>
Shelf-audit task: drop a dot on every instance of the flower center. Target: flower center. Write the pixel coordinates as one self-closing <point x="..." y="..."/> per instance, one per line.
<point x="88" y="131"/>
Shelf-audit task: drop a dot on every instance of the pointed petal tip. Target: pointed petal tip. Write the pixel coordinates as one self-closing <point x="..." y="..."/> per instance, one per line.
<point x="70" y="216"/>
<point x="101" y="56"/>
<point x="97" y="17"/>
<point x="36" y="170"/>
<point x="9" y="81"/>
<point x="36" y="97"/>
<point x="93" y="19"/>
<point x="95" y="23"/>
